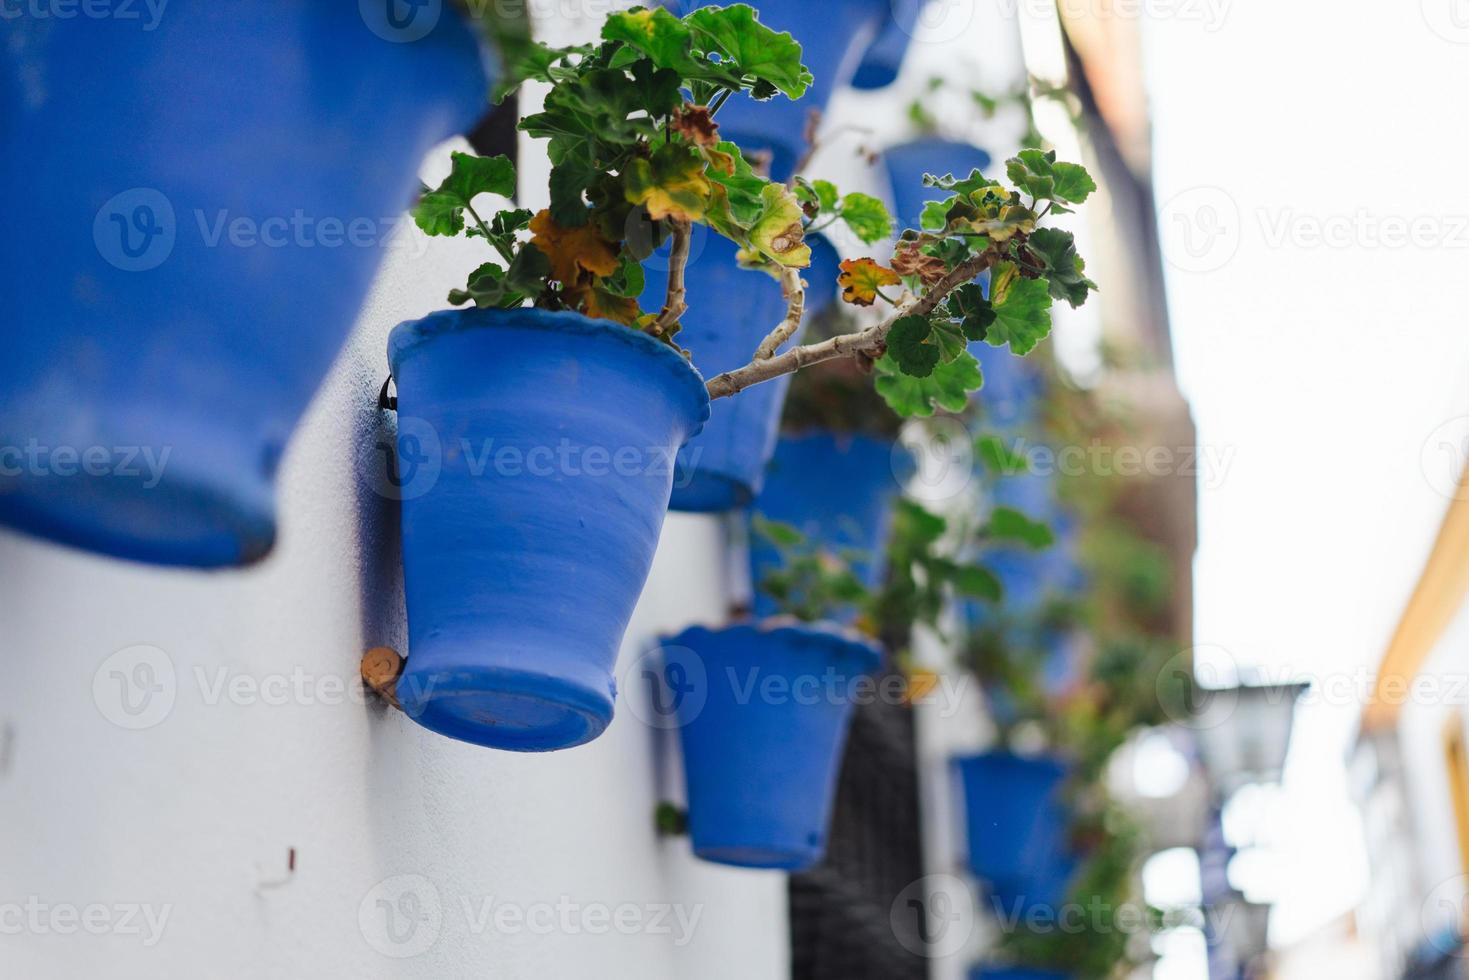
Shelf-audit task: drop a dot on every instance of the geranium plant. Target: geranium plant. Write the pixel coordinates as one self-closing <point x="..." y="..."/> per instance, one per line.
<point x="637" y="160"/>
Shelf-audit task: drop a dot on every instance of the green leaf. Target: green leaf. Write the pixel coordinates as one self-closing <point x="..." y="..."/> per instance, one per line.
<point x="758" y="53"/>
<point x="1022" y="316"/>
<point x="778" y="533"/>
<point x="969" y="305"/>
<point x="441" y="211"/>
<point x="509" y="222"/>
<point x="671" y="184"/>
<point x="948" y="387"/>
<point x="826" y="194"/>
<point x="1039" y="175"/>
<point x="999" y="458"/>
<point x="1009" y="524"/>
<point x="917" y="525"/>
<point x="1064" y="268"/>
<point x="935" y="214"/>
<point x="909" y="348"/>
<point x="743" y="187"/>
<point x="486" y="287"/>
<point x="976" y="181"/>
<point x="977" y="582"/>
<point x="866" y="216"/>
<point x="665" y="39"/>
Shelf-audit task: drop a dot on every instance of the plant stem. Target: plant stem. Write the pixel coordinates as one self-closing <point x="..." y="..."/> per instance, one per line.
<point x="484" y="229"/>
<point x="678" y="258"/>
<point x="795" y="293"/>
<point x="871" y="342"/>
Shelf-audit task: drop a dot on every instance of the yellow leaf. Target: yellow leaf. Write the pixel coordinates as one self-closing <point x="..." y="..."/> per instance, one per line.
<point x="670" y="184"/>
<point x="861" y="279"/>
<point x="779" y="233"/>
<point x="577" y="254"/>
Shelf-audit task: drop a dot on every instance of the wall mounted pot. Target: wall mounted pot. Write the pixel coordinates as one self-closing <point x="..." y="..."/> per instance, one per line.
<point x="1018" y="827"/>
<point x="542" y="449"/>
<point x="730" y="311"/>
<point x="203" y="218"/>
<point x="762" y="747"/>
<point x="833" y="36"/>
<point x="883" y="61"/>
<point x="838" y="490"/>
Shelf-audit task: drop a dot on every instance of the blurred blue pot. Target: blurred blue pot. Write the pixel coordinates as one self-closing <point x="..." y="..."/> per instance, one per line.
<point x="839" y="491"/>
<point x="536" y="458"/>
<point x="883" y="61"/>
<point x="762" y="747"/>
<point x="731" y="310"/>
<point x="908" y="162"/>
<point x="1019" y="827"/>
<point x="204" y="200"/>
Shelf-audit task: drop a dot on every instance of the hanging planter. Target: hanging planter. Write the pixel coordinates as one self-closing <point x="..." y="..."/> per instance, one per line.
<point x="730" y="312"/>
<point x="525" y="550"/>
<point x="207" y="213"/>
<point x="833" y="37"/>
<point x="838" y="491"/>
<point x="1018" y="827"/>
<point x="882" y="62"/>
<point x="762" y="749"/>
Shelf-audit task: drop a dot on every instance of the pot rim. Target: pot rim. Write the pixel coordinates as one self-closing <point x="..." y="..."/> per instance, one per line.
<point x="411" y="335"/>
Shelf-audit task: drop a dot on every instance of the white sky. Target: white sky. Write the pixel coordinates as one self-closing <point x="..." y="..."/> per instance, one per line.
<point x="1323" y="368"/>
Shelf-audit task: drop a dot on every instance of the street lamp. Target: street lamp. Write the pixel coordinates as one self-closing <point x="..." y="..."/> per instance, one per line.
<point x="1244" y="732"/>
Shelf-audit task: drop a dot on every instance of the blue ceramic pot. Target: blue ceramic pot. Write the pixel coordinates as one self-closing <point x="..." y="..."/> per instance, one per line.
<point x="837" y="490"/>
<point x="833" y="37"/>
<point x="731" y="310"/>
<point x="1014" y="389"/>
<point x="1018" y="826"/>
<point x="884" y="60"/>
<point x="762" y="748"/>
<point x="542" y="449"/>
<point x="908" y="162"/>
<point x="204" y="203"/>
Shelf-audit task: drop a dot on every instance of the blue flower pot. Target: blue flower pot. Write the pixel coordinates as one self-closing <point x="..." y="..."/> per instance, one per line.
<point x="731" y="310"/>
<point x="837" y="490"/>
<point x="833" y="36"/>
<point x="908" y="162"/>
<point x="762" y="746"/>
<point x="1014" y="390"/>
<point x="204" y="204"/>
<point x="541" y="449"/>
<point x="1018" y="827"/>
<point x="882" y="62"/>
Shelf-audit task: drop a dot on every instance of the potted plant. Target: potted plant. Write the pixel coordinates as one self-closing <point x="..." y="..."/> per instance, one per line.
<point x="207" y="218"/>
<point x="524" y="555"/>
<point x="763" y="707"/>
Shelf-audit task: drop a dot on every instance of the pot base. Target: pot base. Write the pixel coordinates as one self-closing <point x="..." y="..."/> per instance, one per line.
<point x="500" y="708"/>
<point x="765" y="858"/>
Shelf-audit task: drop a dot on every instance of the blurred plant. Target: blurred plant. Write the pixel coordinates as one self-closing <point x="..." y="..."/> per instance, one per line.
<point x="927" y="118"/>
